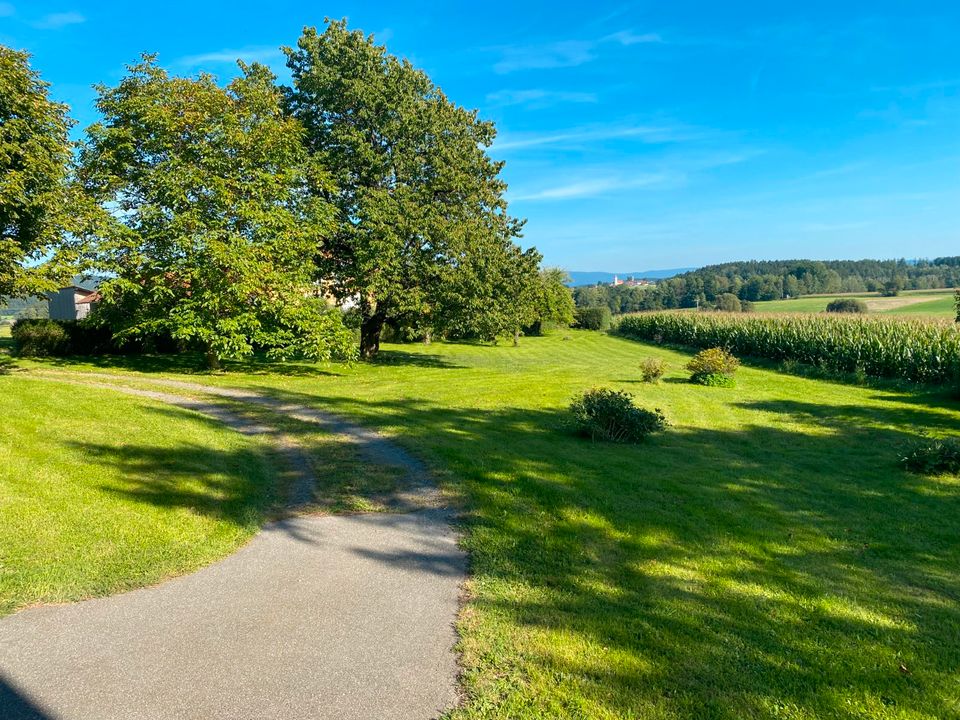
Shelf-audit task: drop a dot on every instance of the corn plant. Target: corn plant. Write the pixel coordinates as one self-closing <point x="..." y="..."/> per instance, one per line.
<point x="916" y="350"/>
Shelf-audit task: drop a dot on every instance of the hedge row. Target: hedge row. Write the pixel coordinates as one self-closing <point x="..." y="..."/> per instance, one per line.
<point x="39" y="337"/>
<point x="916" y="350"/>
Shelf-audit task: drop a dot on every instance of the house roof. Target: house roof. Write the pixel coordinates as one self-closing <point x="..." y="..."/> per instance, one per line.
<point x="90" y="298"/>
<point x="86" y="282"/>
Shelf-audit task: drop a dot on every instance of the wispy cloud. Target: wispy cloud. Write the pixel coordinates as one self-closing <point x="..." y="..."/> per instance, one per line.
<point x="567" y="53"/>
<point x="564" y="53"/>
<point x="7" y="10"/>
<point x="593" y="188"/>
<point x="581" y="136"/>
<point x="55" y="21"/>
<point x="628" y="37"/>
<point x="261" y="54"/>
<point x="539" y="98"/>
<point x="918" y="88"/>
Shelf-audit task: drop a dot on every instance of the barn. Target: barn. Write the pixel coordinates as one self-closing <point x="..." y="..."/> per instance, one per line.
<point x="75" y="301"/>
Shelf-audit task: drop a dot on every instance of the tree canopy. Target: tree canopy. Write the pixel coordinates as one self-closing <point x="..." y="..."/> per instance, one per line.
<point x="420" y="204"/>
<point x="216" y="212"/>
<point x="37" y="205"/>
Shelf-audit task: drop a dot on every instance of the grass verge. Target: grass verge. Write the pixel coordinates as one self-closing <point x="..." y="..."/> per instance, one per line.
<point x="101" y="493"/>
<point x="766" y="557"/>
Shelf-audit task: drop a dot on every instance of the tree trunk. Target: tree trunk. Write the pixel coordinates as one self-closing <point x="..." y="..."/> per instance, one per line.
<point x="516" y="337"/>
<point x="427" y="337"/>
<point x="213" y="360"/>
<point x="370" y="330"/>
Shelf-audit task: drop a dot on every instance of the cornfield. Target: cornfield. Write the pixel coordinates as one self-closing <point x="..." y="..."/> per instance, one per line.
<point x="916" y="350"/>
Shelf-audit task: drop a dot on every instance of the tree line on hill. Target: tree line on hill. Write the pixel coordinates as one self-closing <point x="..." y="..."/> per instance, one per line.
<point x="752" y="281"/>
<point x="23" y="308"/>
<point x="249" y="215"/>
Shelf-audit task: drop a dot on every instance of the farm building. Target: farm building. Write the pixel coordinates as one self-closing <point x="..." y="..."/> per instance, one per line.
<point x="74" y="302"/>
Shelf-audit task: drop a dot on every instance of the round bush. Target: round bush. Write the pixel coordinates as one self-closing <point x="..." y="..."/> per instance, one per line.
<point x="847" y="305"/>
<point x="652" y="369"/>
<point x="603" y="414"/>
<point x="933" y="456"/>
<point x="714" y="366"/>
<point x="728" y="302"/>
<point x="593" y="318"/>
<point x="40" y="338"/>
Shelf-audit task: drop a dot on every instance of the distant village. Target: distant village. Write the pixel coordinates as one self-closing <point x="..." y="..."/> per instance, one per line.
<point x="630" y="282"/>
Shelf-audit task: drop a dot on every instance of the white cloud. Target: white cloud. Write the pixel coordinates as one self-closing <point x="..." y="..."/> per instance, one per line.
<point x="55" y="21"/>
<point x="539" y="98"/>
<point x="261" y="54"/>
<point x="6" y="9"/>
<point x="579" y="136"/>
<point x="592" y="188"/>
<point x="628" y="37"/>
<point x="567" y="53"/>
<point x="564" y="53"/>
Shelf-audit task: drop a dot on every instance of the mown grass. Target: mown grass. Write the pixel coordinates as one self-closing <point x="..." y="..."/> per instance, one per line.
<point x="943" y="306"/>
<point x="934" y="303"/>
<point x="766" y="557"/>
<point x="101" y="492"/>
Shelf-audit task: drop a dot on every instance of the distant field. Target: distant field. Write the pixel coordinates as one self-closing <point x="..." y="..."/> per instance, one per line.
<point x="937" y="303"/>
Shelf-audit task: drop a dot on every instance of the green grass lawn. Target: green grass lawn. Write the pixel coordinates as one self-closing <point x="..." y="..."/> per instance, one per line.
<point x="765" y="557"/>
<point x="101" y="492"/>
<point x="942" y="306"/>
<point x="934" y="303"/>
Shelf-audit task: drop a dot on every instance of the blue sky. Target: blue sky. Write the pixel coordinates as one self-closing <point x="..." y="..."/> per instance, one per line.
<point x="637" y="135"/>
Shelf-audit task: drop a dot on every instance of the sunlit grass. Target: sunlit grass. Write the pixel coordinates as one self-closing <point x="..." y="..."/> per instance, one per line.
<point x="932" y="303"/>
<point x="766" y="557"/>
<point x="100" y="492"/>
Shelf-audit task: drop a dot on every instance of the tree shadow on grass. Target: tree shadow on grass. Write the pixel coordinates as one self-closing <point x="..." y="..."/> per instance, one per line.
<point x="190" y="363"/>
<point x="232" y="485"/>
<point x="403" y="357"/>
<point x="746" y="572"/>
<point x="211" y="482"/>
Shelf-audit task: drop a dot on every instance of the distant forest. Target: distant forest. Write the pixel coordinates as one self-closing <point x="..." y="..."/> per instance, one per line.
<point x="27" y="308"/>
<point x="774" y="280"/>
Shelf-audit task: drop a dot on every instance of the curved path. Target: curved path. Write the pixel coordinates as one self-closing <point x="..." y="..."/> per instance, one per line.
<point x="347" y="616"/>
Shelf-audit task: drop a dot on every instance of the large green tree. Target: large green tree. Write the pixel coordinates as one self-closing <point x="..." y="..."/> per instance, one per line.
<point x="36" y="204"/>
<point x="554" y="300"/>
<point x="216" y="212"/>
<point x="420" y="202"/>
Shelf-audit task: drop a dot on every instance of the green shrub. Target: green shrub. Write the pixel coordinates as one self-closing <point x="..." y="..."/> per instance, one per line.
<point x="653" y="369"/>
<point x="916" y="350"/>
<point x="728" y="302"/>
<point x="593" y="318"/>
<point x="714" y="366"/>
<point x="933" y="456"/>
<point x="40" y="338"/>
<point x="61" y="338"/>
<point x="846" y="305"/>
<point x="603" y="414"/>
